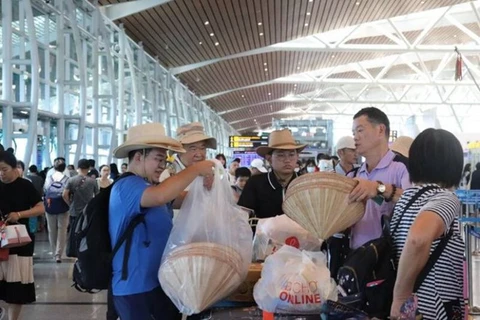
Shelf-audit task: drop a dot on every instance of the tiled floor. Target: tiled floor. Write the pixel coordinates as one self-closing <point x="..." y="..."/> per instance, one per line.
<point x="57" y="300"/>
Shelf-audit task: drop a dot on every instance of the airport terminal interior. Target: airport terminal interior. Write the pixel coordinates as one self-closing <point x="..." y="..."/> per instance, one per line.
<point x="78" y="74"/>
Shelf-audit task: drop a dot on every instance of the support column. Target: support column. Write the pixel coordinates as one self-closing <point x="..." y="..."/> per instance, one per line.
<point x="7" y="77"/>
<point x="60" y="66"/>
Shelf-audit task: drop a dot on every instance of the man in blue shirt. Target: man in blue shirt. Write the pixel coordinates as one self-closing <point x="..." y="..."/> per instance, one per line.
<point x="140" y="296"/>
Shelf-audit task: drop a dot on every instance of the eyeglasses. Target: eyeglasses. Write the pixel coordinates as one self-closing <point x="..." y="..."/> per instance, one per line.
<point x="285" y="155"/>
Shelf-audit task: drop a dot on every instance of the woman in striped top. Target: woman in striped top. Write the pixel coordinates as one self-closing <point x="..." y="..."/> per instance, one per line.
<point x="435" y="167"/>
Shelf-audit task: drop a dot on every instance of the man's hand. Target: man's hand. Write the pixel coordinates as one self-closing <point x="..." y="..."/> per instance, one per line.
<point x="364" y="190"/>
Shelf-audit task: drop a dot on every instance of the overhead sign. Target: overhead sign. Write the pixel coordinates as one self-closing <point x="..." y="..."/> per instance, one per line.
<point x="247" y="141"/>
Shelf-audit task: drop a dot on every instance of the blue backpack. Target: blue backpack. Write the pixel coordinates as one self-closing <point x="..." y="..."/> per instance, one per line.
<point x="53" y="200"/>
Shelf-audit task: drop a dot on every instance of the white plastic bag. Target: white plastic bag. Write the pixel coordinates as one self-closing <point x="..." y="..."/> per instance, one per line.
<point x="272" y="233"/>
<point x="209" y="250"/>
<point x="294" y="281"/>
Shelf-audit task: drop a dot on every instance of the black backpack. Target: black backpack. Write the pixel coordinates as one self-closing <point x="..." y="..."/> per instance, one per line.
<point x="93" y="269"/>
<point x="367" y="278"/>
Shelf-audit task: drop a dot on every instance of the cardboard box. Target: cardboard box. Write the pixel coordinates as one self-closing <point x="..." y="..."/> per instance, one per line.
<point x="244" y="293"/>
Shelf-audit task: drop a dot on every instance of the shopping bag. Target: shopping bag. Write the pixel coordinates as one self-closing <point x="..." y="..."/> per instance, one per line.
<point x="4" y="252"/>
<point x="15" y="236"/>
<point x="273" y="233"/>
<point x="209" y="250"/>
<point x="294" y="281"/>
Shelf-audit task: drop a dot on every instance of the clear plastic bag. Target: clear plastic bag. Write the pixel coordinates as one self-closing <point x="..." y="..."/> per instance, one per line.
<point x="209" y="250"/>
<point x="294" y="281"/>
<point x="273" y="233"/>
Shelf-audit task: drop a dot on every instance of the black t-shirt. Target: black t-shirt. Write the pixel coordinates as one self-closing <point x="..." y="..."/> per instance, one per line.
<point x="20" y="195"/>
<point x="264" y="195"/>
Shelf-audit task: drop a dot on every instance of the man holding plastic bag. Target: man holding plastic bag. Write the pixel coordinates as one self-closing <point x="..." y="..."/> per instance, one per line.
<point x="137" y="293"/>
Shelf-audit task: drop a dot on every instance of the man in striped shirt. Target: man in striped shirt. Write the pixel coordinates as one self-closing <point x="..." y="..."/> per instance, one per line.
<point x="382" y="178"/>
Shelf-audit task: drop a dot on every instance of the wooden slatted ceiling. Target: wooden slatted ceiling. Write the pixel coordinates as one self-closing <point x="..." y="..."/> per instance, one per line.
<point x="180" y="25"/>
<point x="173" y="33"/>
<point x="246" y="71"/>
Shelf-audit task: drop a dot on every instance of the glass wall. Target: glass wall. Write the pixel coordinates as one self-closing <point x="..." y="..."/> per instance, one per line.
<point x="73" y="83"/>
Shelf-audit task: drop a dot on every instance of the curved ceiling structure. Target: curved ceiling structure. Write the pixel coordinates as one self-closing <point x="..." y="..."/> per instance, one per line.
<point x="257" y="60"/>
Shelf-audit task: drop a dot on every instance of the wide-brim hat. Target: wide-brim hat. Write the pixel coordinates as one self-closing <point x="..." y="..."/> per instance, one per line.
<point x="193" y="133"/>
<point x="402" y="145"/>
<point x="280" y="140"/>
<point x="147" y="136"/>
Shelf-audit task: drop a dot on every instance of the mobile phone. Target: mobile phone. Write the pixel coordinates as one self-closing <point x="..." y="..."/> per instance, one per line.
<point x="379" y="200"/>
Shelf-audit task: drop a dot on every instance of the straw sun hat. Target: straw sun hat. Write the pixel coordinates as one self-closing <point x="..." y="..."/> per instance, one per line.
<point x="402" y="145"/>
<point x="194" y="132"/>
<point x="146" y="136"/>
<point x="280" y="140"/>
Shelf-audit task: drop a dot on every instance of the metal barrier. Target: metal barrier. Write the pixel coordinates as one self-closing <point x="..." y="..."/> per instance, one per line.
<point x="471" y="232"/>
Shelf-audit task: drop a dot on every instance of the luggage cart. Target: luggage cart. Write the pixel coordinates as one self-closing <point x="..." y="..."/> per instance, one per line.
<point x="472" y="234"/>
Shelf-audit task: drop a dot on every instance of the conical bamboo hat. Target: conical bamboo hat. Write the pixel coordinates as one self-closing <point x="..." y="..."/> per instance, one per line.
<point x="195" y="276"/>
<point x="319" y="203"/>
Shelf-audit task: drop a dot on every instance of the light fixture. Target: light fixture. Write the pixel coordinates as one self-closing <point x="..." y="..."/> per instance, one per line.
<point x="212" y="34"/>
<point x="357" y="3"/>
<point x="298" y="68"/>
<point x="207" y="23"/>
<point x="333" y="56"/>
<point x="308" y="13"/>
<point x="310" y="0"/>
<point x="24" y="112"/>
<point x="422" y="2"/>
<point x="454" y="35"/>
<point x="259" y="23"/>
<point x="269" y="93"/>
<point x="261" y="34"/>
<point x="264" y="63"/>
<point x="306" y="24"/>
<point x="217" y="43"/>
<point x="200" y="43"/>
<point x="266" y="69"/>
<point x="243" y="96"/>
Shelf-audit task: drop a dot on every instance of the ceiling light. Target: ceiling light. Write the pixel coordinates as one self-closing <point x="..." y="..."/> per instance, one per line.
<point x="357" y="3"/>
<point x="261" y="34"/>
<point x="217" y="43"/>
<point x="243" y="96"/>
<point x="306" y="24"/>
<point x="298" y="68"/>
<point x="200" y="43"/>
<point x="264" y="63"/>
<point x="422" y="2"/>
<point x="259" y="23"/>
<point x="333" y="56"/>
<point x="308" y="13"/>
<point x="207" y="23"/>
<point x="266" y="69"/>
<point x="454" y="35"/>
<point x="24" y="112"/>
<point x="310" y="0"/>
<point x="211" y="34"/>
<point x="269" y="93"/>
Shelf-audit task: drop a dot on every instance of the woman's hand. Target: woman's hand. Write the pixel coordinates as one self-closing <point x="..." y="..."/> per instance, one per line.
<point x="396" y="306"/>
<point x="13" y="217"/>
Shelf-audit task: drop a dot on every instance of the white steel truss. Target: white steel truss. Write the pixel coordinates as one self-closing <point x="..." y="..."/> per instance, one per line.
<point x="393" y="28"/>
<point x="121" y="10"/>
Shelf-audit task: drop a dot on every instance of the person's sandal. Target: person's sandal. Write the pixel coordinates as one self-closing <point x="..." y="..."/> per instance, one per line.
<point x="57" y="259"/>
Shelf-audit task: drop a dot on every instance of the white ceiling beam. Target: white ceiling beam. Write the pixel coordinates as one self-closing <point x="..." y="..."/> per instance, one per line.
<point x="123" y="9"/>
<point x="462" y="13"/>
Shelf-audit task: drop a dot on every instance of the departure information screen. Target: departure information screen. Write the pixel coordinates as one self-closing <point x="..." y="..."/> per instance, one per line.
<point x="247" y="141"/>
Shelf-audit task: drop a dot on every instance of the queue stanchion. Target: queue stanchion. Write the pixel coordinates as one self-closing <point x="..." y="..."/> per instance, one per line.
<point x="472" y="233"/>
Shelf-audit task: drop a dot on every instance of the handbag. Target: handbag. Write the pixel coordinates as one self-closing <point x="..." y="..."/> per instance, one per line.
<point x="4" y="252"/>
<point x="15" y="236"/>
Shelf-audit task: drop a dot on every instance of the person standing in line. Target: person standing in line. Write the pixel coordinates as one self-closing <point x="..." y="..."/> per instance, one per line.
<point x="93" y="173"/>
<point x="52" y="169"/>
<point x="257" y="167"/>
<point x="19" y="201"/>
<point x="241" y="177"/>
<point x="57" y="223"/>
<point x="234" y="165"/>
<point x="382" y="178"/>
<point x="475" y="183"/>
<point x="124" y="167"/>
<point x="140" y="296"/>
<point x="104" y="181"/>
<point x="71" y="169"/>
<point x="221" y="157"/>
<point x="195" y="142"/>
<point x="36" y="180"/>
<point x="348" y="156"/>
<point x="113" y="171"/>
<point x="78" y="192"/>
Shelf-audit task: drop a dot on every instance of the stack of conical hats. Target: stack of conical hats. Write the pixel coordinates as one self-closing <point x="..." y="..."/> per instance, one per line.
<point x="319" y="203"/>
<point x="197" y="275"/>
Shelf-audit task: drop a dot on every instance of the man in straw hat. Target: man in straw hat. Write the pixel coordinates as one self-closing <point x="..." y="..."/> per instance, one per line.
<point x="195" y="142"/>
<point x="382" y="178"/>
<point x="401" y="146"/>
<point x="140" y="295"/>
<point x="264" y="193"/>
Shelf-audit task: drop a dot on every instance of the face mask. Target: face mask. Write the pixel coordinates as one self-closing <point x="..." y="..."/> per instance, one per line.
<point x="297" y="169"/>
<point x="310" y="169"/>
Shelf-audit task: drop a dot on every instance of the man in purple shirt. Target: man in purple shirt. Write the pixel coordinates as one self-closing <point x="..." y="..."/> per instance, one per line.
<point x="382" y="178"/>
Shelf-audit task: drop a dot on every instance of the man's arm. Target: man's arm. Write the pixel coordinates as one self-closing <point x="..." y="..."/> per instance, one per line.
<point x="367" y="189"/>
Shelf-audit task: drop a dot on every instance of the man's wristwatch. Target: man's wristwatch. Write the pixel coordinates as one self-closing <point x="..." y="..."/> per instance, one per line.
<point x="381" y="188"/>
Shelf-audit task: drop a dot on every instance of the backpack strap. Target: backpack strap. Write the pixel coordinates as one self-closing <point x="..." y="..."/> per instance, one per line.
<point x="127" y="238"/>
<point x="354" y="171"/>
<point x="432" y="260"/>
